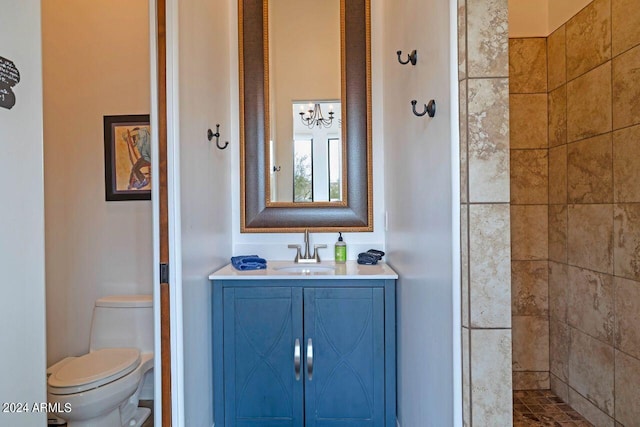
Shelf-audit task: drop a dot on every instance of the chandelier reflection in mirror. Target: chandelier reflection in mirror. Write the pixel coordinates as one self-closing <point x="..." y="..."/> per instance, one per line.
<point x="313" y="117"/>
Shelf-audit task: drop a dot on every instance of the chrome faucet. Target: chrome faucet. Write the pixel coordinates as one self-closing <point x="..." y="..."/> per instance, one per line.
<point x="307" y="258"/>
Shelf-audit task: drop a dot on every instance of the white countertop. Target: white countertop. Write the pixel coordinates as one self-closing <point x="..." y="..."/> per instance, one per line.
<point x="288" y="270"/>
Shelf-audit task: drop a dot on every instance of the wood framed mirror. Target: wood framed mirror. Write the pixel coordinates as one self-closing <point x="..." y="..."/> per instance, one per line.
<point x="346" y="205"/>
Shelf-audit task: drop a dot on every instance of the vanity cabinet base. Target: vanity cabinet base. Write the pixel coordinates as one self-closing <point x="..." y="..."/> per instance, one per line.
<point x="309" y="353"/>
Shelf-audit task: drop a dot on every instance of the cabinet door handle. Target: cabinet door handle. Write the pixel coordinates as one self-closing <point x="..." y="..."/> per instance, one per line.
<point x="310" y="359"/>
<point x="296" y="359"/>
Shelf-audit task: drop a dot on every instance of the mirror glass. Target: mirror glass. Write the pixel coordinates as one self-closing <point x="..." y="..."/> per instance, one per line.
<point x="305" y="114"/>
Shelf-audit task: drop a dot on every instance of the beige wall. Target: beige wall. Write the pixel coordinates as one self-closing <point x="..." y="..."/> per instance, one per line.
<point x="594" y="212"/>
<point x="484" y="210"/>
<point x="95" y="63"/>
<point x="561" y="11"/>
<point x="539" y="18"/>
<point x="528" y="18"/>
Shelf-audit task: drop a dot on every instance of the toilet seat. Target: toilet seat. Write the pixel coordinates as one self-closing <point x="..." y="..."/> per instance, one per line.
<point x="93" y="370"/>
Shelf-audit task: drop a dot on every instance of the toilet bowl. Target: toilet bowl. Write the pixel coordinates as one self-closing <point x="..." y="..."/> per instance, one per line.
<point x="102" y="387"/>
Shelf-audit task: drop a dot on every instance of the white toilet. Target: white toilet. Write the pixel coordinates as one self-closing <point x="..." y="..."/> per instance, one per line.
<point x="102" y="388"/>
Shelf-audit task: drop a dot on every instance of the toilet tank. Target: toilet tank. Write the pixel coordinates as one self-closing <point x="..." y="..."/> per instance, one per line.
<point x="123" y="321"/>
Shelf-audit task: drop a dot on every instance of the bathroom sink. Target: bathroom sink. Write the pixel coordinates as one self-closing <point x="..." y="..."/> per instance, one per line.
<point x="306" y="269"/>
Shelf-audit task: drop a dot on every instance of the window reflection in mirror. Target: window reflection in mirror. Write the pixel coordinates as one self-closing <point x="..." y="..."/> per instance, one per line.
<point x="335" y="169"/>
<point x="303" y="170"/>
<point x="316" y="155"/>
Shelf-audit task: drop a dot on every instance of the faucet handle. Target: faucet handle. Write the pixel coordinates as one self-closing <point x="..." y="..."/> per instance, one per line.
<point x="315" y="251"/>
<point x="298" y="253"/>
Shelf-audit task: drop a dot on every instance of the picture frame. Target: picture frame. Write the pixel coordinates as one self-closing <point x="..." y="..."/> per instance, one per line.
<point x="127" y="157"/>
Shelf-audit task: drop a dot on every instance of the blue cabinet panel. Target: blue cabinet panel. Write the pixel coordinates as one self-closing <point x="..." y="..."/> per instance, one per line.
<point x="344" y="337"/>
<point x="344" y="331"/>
<point x="260" y="329"/>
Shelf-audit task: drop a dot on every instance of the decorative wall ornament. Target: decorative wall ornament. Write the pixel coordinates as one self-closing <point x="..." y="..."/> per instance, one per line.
<point x="9" y="77"/>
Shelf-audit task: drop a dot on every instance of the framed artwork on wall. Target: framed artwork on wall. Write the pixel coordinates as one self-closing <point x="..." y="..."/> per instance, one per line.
<point x="127" y="157"/>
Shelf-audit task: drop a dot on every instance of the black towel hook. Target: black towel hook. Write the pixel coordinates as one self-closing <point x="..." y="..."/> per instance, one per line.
<point x="210" y="136"/>
<point x="412" y="57"/>
<point x="428" y="108"/>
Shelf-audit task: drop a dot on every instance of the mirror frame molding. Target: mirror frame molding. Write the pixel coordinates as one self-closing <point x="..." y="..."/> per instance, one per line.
<point x="258" y="215"/>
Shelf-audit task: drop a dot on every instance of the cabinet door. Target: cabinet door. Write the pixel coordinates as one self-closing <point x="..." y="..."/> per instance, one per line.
<point x="344" y="357"/>
<point x="261" y="326"/>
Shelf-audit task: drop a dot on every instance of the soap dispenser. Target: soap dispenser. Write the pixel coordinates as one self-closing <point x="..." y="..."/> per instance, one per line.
<point x="341" y="250"/>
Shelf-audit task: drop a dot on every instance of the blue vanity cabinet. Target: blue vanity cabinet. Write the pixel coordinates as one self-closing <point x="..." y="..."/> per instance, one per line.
<point x="344" y="335"/>
<point x="260" y="329"/>
<point x="307" y="352"/>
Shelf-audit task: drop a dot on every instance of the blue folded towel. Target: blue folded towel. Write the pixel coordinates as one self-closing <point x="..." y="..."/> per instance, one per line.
<point x="248" y="262"/>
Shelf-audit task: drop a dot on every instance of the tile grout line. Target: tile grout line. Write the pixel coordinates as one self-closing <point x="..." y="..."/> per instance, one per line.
<point x="548" y="121"/>
<point x="613" y="212"/>
<point x="468" y="200"/>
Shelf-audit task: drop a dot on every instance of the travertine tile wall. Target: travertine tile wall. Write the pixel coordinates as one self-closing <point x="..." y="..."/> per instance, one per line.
<point x="594" y="211"/>
<point x="529" y="212"/>
<point x="485" y="212"/>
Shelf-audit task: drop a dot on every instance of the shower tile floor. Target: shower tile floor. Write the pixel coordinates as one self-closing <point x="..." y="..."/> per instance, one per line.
<point x="542" y="408"/>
